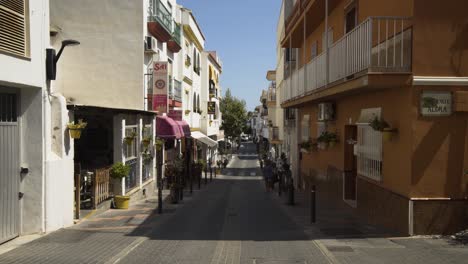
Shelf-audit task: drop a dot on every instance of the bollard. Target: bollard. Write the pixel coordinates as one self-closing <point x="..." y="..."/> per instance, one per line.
<point x="279" y="183"/>
<point x="291" y="193"/>
<point x="312" y="204"/>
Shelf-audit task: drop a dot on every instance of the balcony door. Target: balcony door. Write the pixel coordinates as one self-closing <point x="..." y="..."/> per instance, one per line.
<point x="350" y="17"/>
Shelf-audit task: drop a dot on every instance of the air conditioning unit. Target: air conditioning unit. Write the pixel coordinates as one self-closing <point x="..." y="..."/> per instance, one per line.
<point x="151" y="45"/>
<point x="326" y="112"/>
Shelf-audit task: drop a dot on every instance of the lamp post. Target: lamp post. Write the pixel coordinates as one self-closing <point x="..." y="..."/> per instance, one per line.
<point x="52" y="58"/>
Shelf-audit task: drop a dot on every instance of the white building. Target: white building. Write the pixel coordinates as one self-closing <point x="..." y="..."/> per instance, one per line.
<point x="108" y="82"/>
<point x="32" y="169"/>
<point x="210" y="97"/>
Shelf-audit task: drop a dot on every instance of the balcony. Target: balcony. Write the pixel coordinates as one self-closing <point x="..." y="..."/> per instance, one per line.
<point x="271" y="97"/>
<point x="160" y="22"/>
<point x="375" y="48"/>
<point x="174" y="44"/>
<point x="175" y="90"/>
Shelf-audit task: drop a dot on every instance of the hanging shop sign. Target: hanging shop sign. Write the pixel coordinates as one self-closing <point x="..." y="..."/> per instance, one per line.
<point x="211" y="108"/>
<point x="175" y="114"/>
<point x="160" y="79"/>
<point x="436" y="103"/>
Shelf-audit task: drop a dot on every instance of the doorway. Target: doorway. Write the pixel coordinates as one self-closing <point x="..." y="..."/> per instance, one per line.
<point x="350" y="17"/>
<point x="350" y="165"/>
<point x="9" y="167"/>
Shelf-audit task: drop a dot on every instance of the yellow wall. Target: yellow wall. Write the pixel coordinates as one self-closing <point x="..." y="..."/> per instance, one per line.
<point x="397" y="153"/>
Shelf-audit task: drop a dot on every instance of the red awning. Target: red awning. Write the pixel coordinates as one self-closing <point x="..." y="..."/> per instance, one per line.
<point x="184" y="128"/>
<point x="167" y="128"/>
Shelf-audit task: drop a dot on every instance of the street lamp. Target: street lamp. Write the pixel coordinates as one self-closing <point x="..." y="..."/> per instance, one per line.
<point x="52" y="59"/>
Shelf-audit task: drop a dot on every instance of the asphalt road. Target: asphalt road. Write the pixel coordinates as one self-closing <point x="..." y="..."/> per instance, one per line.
<point x="231" y="220"/>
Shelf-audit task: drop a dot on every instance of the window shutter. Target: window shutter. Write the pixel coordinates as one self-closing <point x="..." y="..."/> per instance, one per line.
<point x="13" y="27"/>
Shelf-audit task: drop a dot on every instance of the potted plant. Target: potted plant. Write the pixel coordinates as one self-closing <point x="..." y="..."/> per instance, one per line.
<point x="146" y="141"/>
<point x="305" y="146"/>
<point x="332" y="139"/>
<point x="129" y="139"/>
<point x="211" y="122"/>
<point x="147" y="157"/>
<point x="187" y="112"/>
<point x="382" y="126"/>
<point x="323" y="140"/>
<point x="119" y="171"/>
<point x="159" y="144"/>
<point x="75" y="129"/>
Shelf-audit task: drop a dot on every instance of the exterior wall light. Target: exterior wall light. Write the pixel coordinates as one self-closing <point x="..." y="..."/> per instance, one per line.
<point x="52" y="58"/>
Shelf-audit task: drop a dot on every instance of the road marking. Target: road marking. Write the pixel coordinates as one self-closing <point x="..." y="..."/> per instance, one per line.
<point x="117" y="258"/>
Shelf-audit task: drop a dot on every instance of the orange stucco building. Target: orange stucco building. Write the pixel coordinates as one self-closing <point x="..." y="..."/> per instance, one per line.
<point x="402" y="61"/>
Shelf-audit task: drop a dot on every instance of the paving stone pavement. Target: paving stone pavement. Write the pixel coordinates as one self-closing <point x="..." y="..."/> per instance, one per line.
<point x="231" y="220"/>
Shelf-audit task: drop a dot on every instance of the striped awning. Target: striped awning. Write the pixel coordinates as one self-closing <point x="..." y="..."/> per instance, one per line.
<point x="204" y="139"/>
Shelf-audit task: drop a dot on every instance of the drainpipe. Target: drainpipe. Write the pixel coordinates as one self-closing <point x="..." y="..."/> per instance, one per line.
<point x="326" y="44"/>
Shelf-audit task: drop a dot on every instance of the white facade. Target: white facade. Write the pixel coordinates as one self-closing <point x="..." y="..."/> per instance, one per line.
<point x="211" y="92"/>
<point x="193" y="43"/>
<point x="48" y="173"/>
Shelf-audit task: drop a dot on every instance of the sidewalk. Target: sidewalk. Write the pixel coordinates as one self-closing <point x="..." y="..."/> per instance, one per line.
<point x="345" y="238"/>
<point x="96" y="239"/>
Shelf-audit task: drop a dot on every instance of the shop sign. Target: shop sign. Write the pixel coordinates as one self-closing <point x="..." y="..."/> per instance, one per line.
<point x="175" y="114"/>
<point x="436" y="103"/>
<point x="160" y="79"/>
<point x="211" y="108"/>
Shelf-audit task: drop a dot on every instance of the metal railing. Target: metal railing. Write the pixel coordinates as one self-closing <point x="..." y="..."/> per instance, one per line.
<point x="271" y="95"/>
<point x="379" y="44"/>
<point x="131" y="179"/>
<point x="177" y="94"/>
<point x="159" y="13"/>
<point x="176" y="35"/>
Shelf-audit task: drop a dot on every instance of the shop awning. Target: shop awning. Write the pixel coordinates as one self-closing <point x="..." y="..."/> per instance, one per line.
<point x="184" y="128"/>
<point x="204" y="139"/>
<point x="167" y="128"/>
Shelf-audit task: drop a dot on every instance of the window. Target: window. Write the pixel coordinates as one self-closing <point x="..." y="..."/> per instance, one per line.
<point x="194" y="60"/>
<point x="369" y="152"/>
<point x="131" y="148"/>
<point x="198" y="103"/>
<point x="194" y="105"/>
<point x="8" y="108"/>
<point x="14" y="33"/>
<point x="305" y="129"/>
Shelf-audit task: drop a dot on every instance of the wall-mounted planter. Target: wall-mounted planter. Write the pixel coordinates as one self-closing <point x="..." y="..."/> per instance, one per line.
<point x="387" y="134"/>
<point x="75" y="133"/>
<point x="146" y="142"/>
<point x="76" y="129"/>
<point x="322" y="145"/>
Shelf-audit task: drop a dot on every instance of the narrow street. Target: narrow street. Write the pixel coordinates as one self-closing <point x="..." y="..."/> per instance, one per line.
<point x="232" y="220"/>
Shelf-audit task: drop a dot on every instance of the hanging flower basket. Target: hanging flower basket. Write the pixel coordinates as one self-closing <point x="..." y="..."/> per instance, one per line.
<point x="387" y="134"/>
<point x="75" y="133"/>
<point x="146" y="142"/>
<point x="147" y="157"/>
<point x="159" y="144"/>
<point x="129" y="139"/>
<point x="76" y="129"/>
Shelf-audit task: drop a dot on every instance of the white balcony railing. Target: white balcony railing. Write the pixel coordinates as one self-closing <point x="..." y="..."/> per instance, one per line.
<point x="379" y="44"/>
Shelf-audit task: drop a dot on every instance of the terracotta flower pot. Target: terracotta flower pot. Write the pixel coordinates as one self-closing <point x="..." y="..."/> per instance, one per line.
<point x="387" y="135"/>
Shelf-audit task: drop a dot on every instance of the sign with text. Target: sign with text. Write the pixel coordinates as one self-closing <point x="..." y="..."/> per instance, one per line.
<point x="436" y="103"/>
<point x="175" y="114"/>
<point x="211" y="108"/>
<point x="160" y="79"/>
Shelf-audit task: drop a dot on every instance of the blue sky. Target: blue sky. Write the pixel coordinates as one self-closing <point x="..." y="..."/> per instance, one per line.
<point x="243" y="32"/>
